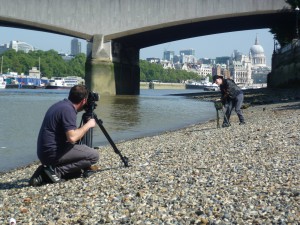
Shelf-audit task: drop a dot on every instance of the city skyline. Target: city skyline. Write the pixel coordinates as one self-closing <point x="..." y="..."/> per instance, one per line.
<point x="210" y="46"/>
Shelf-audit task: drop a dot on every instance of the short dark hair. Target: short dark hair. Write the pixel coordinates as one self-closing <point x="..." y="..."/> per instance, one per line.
<point x="216" y="77"/>
<point x="78" y="93"/>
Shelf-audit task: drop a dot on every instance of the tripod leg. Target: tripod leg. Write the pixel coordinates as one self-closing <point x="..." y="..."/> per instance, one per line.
<point x="225" y="117"/>
<point x="87" y="139"/>
<point x="218" y="119"/>
<point x="99" y="122"/>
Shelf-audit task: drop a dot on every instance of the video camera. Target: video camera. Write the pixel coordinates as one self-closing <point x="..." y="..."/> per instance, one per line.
<point x="90" y="105"/>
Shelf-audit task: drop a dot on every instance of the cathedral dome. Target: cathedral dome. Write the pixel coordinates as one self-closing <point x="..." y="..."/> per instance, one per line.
<point x="257" y="55"/>
<point x="257" y="50"/>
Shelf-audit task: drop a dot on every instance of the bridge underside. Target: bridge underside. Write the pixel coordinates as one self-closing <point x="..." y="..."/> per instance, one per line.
<point x="113" y="67"/>
<point x="202" y="28"/>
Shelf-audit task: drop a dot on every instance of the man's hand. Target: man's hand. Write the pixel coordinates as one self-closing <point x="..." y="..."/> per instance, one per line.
<point x="224" y="100"/>
<point x="75" y="135"/>
<point x="91" y="123"/>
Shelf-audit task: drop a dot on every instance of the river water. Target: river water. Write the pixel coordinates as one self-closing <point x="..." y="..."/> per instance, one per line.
<point x="124" y="117"/>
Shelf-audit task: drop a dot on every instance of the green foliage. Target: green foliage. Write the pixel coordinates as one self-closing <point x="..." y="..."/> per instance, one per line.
<point x="152" y="71"/>
<point x="293" y="3"/>
<point x="51" y="64"/>
<point x="285" y="31"/>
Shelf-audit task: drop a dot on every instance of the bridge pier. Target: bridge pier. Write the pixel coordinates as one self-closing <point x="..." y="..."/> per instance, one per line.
<point x="112" y="68"/>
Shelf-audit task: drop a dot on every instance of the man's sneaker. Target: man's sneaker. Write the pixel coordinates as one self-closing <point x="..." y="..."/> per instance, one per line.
<point x="225" y="125"/>
<point x="49" y="171"/>
<point x="242" y="123"/>
<point x="38" y="178"/>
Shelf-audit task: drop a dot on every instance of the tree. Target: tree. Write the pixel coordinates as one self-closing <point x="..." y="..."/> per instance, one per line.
<point x="153" y="71"/>
<point x="50" y="63"/>
<point x="285" y="31"/>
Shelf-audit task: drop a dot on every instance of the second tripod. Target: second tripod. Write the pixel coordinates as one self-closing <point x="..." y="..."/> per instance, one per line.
<point x="219" y="107"/>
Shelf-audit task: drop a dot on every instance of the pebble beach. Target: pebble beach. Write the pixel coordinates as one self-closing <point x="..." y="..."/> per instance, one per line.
<point x="201" y="174"/>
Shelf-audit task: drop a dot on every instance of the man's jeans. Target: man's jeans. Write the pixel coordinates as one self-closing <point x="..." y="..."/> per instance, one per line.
<point x="237" y="104"/>
<point x="75" y="159"/>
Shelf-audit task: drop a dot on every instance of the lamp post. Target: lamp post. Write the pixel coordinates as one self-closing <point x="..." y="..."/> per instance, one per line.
<point x="297" y="14"/>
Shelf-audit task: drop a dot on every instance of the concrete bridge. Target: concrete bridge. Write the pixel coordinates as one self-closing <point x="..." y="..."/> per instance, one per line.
<point x="117" y="29"/>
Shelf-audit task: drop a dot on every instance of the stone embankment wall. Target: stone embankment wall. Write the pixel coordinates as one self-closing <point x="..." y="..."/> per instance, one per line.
<point x="286" y="67"/>
<point x="159" y="85"/>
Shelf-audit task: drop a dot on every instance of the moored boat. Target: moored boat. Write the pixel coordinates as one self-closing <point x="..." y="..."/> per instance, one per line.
<point x="64" y="82"/>
<point x="205" y="85"/>
<point x="24" y="82"/>
<point x="2" y="82"/>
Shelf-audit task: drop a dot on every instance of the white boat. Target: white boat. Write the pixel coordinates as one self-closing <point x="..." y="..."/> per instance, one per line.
<point x="2" y="82"/>
<point x="207" y="86"/>
<point x="212" y="87"/>
<point x="63" y="82"/>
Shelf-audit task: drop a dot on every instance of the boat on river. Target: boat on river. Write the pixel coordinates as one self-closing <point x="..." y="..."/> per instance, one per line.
<point x="205" y="85"/>
<point x="24" y="82"/>
<point x="2" y="82"/>
<point x="64" y="82"/>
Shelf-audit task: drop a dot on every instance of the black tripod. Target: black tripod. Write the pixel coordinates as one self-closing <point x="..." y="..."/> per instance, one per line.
<point x="88" y="137"/>
<point x="219" y="107"/>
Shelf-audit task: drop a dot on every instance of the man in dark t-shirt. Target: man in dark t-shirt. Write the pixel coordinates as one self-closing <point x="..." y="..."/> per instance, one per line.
<point x="57" y="150"/>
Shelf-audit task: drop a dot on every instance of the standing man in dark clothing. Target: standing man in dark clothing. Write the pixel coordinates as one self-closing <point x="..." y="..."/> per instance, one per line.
<point x="57" y="150"/>
<point x="232" y="97"/>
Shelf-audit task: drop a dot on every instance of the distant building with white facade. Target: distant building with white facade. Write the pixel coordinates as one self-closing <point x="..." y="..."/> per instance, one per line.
<point x="21" y="46"/>
<point x="205" y="70"/>
<point x="187" y="56"/>
<point x="35" y="72"/>
<point x="240" y="68"/>
<point x="153" y="60"/>
<point x="188" y="59"/>
<point x="167" y="64"/>
<point x="17" y="46"/>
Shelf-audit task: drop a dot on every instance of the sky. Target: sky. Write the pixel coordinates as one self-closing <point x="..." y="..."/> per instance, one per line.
<point x="210" y="46"/>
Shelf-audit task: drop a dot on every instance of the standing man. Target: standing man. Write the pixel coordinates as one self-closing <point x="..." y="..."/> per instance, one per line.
<point x="232" y="97"/>
<point x="57" y="150"/>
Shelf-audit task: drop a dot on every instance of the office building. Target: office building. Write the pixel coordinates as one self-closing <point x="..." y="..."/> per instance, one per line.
<point x="187" y="52"/>
<point x="75" y="47"/>
<point x="168" y="55"/>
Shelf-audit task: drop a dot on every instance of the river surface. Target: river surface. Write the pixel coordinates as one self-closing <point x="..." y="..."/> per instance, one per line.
<point x="124" y="118"/>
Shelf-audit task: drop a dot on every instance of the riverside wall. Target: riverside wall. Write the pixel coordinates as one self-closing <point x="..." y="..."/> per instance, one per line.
<point x="160" y="85"/>
<point x="286" y="67"/>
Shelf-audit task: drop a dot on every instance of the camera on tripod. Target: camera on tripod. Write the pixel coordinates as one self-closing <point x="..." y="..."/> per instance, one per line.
<point x="90" y="105"/>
